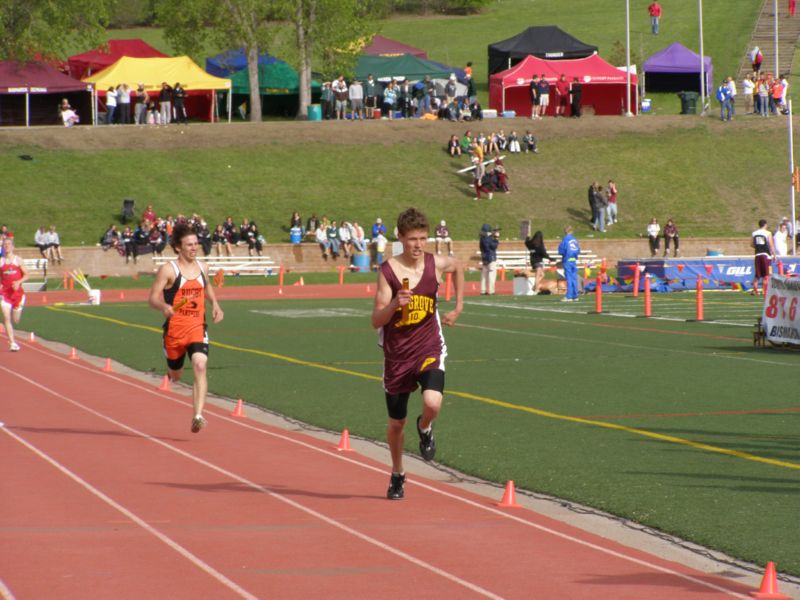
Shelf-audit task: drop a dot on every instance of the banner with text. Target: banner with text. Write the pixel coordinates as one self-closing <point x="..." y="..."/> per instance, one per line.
<point x="779" y="317"/>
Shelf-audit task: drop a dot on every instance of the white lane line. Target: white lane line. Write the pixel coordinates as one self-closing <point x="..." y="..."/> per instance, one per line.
<point x="330" y="521"/>
<point x="382" y="472"/>
<point x="130" y="515"/>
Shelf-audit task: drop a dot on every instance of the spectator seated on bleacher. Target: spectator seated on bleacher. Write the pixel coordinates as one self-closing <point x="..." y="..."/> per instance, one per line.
<point x="111" y="238"/>
<point x="40" y="240"/>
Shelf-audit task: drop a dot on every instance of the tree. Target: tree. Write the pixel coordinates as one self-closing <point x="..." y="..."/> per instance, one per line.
<point x="326" y="30"/>
<point x="190" y="24"/>
<point x="50" y="29"/>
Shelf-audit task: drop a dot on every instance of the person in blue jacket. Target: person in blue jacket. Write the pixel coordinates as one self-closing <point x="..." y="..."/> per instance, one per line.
<point x="489" y="240"/>
<point x="569" y="249"/>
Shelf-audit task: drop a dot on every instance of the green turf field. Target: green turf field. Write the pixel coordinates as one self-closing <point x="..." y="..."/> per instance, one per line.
<point x="652" y="419"/>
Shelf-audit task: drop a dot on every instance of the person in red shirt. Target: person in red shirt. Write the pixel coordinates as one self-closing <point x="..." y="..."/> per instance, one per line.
<point x="655" y="14"/>
<point x="792" y="7"/>
<point x="12" y="294"/>
<point x="562" y="95"/>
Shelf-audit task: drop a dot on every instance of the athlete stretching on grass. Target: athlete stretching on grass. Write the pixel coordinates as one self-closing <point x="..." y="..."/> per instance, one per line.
<point x="12" y="295"/>
<point x="179" y="293"/>
<point x="411" y="336"/>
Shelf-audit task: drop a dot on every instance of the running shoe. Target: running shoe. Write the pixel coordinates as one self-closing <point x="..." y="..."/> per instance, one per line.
<point x="427" y="445"/>
<point x="14" y="347"/>
<point x="197" y="424"/>
<point x="395" y="491"/>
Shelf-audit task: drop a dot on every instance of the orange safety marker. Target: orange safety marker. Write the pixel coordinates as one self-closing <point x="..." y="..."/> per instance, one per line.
<point x="341" y="274"/>
<point x="598" y="295"/>
<point x="107" y="368"/>
<point x="73" y="354"/>
<point x="369" y="289"/>
<point x="448" y="286"/>
<point x="502" y="271"/>
<point x="280" y="277"/>
<point x="648" y="307"/>
<point x="122" y="295"/>
<point x="509" y="496"/>
<point x="239" y="410"/>
<point x="769" y="585"/>
<point x="636" y="280"/>
<point x="164" y="384"/>
<point x="780" y="267"/>
<point x="71" y="284"/>
<point x="344" y="442"/>
<point x="64" y="285"/>
<point x="44" y="298"/>
<point x="699" y="300"/>
<point x="32" y="338"/>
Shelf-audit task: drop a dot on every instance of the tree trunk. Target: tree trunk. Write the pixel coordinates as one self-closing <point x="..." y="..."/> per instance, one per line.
<point x="304" y="49"/>
<point x="252" y="72"/>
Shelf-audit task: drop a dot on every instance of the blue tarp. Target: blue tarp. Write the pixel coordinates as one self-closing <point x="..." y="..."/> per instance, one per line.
<point x="231" y="61"/>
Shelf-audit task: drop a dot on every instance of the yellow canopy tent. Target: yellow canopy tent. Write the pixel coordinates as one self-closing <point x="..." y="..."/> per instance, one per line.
<point x="154" y="72"/>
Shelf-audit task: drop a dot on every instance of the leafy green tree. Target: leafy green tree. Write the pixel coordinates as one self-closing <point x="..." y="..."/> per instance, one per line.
<point x="190" y="24"/>
<point x="50" y="29"/>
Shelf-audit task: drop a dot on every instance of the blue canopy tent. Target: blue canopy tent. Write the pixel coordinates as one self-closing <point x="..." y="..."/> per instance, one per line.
<point x="231" y="61"/>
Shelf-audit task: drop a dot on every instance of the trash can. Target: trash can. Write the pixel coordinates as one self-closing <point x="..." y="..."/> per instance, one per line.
<point x="361" y="262"/>
<point x="688" y="102"/>
<point x="646" y="105"/>
<point x="314" y="112"/>
<point x="295" y="235"/>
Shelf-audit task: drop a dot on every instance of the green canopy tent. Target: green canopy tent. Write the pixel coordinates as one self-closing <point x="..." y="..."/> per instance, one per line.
<point x="279" y="85"/>
<point x="405" y="65"/>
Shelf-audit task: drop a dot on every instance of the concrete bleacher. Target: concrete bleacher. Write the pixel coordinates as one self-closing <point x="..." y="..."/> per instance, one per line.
<point x="520" y="259"/>
<point x="37" y="274"/>
<point x="232" y="265"/>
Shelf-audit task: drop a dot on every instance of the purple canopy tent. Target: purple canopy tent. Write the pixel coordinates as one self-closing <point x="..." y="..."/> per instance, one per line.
<point x="675" y="69"/>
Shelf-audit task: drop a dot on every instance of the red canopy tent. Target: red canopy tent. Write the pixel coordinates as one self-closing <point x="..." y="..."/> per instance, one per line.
<point x="89" y="63"/>
<point x="604" y="86"/>
<point x="382" y="46"/>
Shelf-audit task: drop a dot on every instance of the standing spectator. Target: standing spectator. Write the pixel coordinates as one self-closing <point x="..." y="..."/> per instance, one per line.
<point x="390" y="100"/>
<point x="179" y="97"/>
<point x="792" y="7"/>
<point x="570" y="250"/>
<point x="378" y="228"/>
<point x="468" y="69"/>
<point x="534" y="93"/>
<point x="489" y="241"/>
<point x="757" y="58"/>
<point x="732" y="90"/>
<point x="538" y="254"/>
<point x="671" y="237"/>
<point x="784" y="89"/>
<point x="129" y="245"/>
<point x="724" y="98"/>
<point x="427" y="92"/>
<point x="54" y="246"/>
<point x="562" y="95"/>
<point x="450" y="90"/>
<point x="763" y="97"/>
<point x="501" y="176"/>
<point x="149" y="214"/>
<point x="479" y="179"/>
<point x="601" y="202"/>
<point x="611" y="209"/>
<point x="781" y="239"/>
<point x="165" y="103"/>
<point x="748" y="90"/>
<point x="356" y="95"/>
<point x="592" y="197"/>
<point x="124" y="104"/>
<point x="655" y="16"/>
<point x="140" y="108"/>
<point x="472" y="95"/>
<point x="405" y="96"/>
<point x="327" y="100"/>
<point x="340" y="91"/>
<point x="576" y="92"/>
<point x="111" y="105"/>
<point x="653" y="231"/>
<point x="761" y="242"/>
<point x="370" y="93"/>
<point x="40" y="239"/>
<point x="544" y="95"/>
<point x="443" y="237"/>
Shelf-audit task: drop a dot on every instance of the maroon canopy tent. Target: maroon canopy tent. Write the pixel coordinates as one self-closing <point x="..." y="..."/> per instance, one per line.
<point x="89" y="63"/>
<point x="30" y="93"/>
<point x="382" y="46"/>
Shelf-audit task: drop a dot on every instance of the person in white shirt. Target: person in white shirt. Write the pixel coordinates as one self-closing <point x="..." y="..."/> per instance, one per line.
<point x="124" y="104"/>
<point x="321" y="235"/>
<point x="359" y="243"/>
<point x="781" y="240"/>
<point x="748" y="89"/>
<point x="111" y="105"/>
<point x="345" y="238"/>
<point x="40" y="239"/>
<point x="732" y="88"/>
<point x="356" y="95"/>
<point x="784" y="90"/>
<point x="339" y="88"/>
<point x="53" y="245"/>
<point x="653" y="229"/>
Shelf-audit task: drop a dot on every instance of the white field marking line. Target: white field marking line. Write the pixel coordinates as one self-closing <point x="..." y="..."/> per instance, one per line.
<point x="294" y="504"/>
<point x="198" y="562"/>
<point x="5" y="593"/>
<point x="472" y="503"/>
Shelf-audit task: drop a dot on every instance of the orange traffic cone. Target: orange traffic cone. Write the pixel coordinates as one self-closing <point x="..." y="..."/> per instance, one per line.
<point x="769" y="585"/>
<point x="369" y="289"/>
<point x="509" y="496"/>
<point x="44" y="298"/>
<point x="122" y="295"/>
<point x="239" y="410"/>
<point x="344" y="442"/>
<point x="164" y="384"/>
<point x="107" y="368"/>
<point x="302" y="281"/>
<point x="33" y="338"/>
<point x="73" y="354"/>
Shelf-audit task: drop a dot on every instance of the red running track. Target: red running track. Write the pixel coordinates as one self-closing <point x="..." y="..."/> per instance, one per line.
<point x="106" y="494"/>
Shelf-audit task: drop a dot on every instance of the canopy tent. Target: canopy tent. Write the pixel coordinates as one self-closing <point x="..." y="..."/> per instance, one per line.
<point x="153" y="72"/>
<point x="382" y="46"/>
<point x="276" y="78"/>
<point x="31" y="92"/>
<point x="89" y="63"/>
<point x="547" y="42"/>
<point x="676" y="69"/>
<point x="405" y="66"/>
<point x="604" y="86"/>
<point x="232" y="61"/>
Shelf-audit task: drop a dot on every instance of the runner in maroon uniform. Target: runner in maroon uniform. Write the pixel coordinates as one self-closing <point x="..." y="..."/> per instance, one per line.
<point x="12" y="295"/>
<point x="411" y="336"/>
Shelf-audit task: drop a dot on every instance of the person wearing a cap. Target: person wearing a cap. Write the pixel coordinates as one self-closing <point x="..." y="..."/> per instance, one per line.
<point x="450" y="90"/>
<point x="443" y="237"/>
<point x="12" y="294"/>
<point x="378" y="228"/>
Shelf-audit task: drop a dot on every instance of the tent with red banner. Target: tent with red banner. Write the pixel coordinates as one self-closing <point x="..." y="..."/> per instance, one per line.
<point x="383" y="46"/>
<point x="89" y="63"/>
<point x="604" y="86"/>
